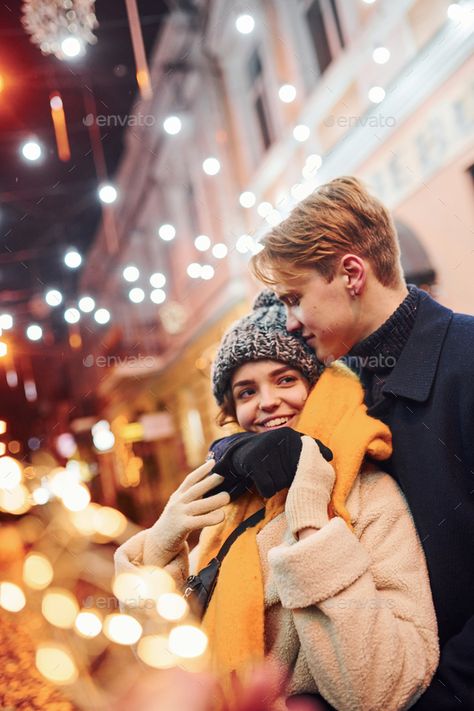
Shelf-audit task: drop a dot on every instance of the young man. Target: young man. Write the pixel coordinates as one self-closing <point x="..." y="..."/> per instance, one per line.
<point x="335" y="263"/>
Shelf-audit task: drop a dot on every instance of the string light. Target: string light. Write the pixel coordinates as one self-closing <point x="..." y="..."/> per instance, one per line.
<point x="131" y="273"/>
<point x="167" y="232"/>
<point x="158" y="296"/>
<point x="264" y="208"/>
<point x="71" y="47"/>
<point x="31" y="150"/>
<point x="247" y="198"/>
<point x="376" y="94"/>
<point x="274" y="218"/>
<point x="86" y="304"/>
<point x="381" y="55"/>
<point x="108" y="194"/>
<point x="157" y="280"/>
<point x="219" y="250"/>
<point x="136" y="295"/>
<point x="6" y="322"/>
<point x="245" y="24"/>
<point x="207" y="272"/>
<point x="194" y="270"/>
<point x="211" y="166"/>
<point x="72" y="259"/>
<point x="202" y="243"/>
<point x="287" y="93"/>
<point x="172" y="125"/>
<point x="244" y="244"/>
<point x="53" y="297"/>
<point x="301" y="133"/>
<point x="34" y="332"/>
<point x="72" y="315"/>
<point x="102" y="316"/>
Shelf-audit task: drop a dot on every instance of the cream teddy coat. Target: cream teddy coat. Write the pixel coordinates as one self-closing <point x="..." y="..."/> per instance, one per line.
<point x="349" y="614"/>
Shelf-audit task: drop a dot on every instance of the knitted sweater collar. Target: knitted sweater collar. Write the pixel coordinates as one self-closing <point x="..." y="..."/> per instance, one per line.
<point x="381" y="350"/>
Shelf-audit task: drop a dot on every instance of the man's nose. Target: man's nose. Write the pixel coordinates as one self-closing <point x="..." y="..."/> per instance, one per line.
<point x="292" y="323"/>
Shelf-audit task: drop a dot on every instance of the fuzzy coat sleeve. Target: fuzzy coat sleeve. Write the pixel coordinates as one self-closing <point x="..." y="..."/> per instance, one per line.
<point x="361" y="603"/>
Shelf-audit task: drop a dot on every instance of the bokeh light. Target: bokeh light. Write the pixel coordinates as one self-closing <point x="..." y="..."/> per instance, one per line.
<point x="55" y="663"/>
<point x="187" y="641"/>
<point x="59" y="607"/>
<point x="122" y="629"/>
<point x="37" y="571"/>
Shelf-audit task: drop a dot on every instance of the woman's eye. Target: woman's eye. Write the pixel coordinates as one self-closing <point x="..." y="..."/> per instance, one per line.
<point x="292" y="300"/>
<point x="245" y="393"/>
<point x="287" y="379"/>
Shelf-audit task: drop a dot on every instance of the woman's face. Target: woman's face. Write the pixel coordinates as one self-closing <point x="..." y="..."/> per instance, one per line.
<point x="268" y="395"/>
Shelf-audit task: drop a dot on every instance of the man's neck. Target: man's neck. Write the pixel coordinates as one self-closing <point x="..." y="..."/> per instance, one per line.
<point x="378" y="304"/>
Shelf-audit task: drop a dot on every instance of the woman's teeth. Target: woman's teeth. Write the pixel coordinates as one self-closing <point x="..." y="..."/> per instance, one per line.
<point x="277" y="421"/>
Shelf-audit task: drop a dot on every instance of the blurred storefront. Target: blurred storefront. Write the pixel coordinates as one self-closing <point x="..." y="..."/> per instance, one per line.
<point x="260" y="116"/>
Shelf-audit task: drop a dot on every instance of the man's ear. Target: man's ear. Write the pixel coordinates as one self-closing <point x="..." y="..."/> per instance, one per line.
<point x="354" y="272"/>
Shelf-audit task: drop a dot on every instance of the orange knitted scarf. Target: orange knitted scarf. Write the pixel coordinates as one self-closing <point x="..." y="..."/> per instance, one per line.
<point x="234" y="621"/>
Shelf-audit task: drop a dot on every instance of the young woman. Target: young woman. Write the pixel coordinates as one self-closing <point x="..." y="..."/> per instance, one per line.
<point x="332" y="582"/>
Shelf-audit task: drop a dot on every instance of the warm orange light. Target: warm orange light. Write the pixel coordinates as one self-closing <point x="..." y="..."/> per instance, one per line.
<point x="14" y="446"/>
<point x="59" y="123"/>
<point x="144" y="83"/>
<point x="2" y="83"/>
<point x="3" y="349"/>
<point x="3" y="426"/>
<point x="75" y="340"/>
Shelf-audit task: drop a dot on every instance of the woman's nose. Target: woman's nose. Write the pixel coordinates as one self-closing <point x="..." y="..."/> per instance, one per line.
<point x="269" y="399"/>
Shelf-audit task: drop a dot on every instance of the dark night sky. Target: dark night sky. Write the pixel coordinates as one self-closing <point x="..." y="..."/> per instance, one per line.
<point x="37" y="220"/>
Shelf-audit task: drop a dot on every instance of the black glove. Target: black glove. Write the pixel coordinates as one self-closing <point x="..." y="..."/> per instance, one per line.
<point x="266" y="460"/>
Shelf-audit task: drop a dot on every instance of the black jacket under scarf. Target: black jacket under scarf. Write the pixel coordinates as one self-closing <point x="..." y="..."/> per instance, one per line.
<point x="427" y="400"/>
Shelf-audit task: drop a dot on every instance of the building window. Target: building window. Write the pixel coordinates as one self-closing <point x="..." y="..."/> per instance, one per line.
<point x="325" y="30"/>
<point x="258" y="98"/>
<point x="193" y="217"/>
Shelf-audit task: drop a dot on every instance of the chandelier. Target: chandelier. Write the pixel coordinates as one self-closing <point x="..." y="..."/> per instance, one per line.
<point x="60" y="27"/>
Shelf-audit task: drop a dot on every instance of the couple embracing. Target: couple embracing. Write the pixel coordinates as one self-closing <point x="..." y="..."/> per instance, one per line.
<point x="350" y="500"/>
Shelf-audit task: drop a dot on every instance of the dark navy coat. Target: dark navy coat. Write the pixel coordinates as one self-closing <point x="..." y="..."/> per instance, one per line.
<point x="429" y="406"/>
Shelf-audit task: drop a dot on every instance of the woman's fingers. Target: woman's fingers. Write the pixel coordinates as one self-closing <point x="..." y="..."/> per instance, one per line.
<point x="203" y="506"/>
<point x="210" y="519"/>
<point x="197" y="475"/>
<point x="202" y="487"/>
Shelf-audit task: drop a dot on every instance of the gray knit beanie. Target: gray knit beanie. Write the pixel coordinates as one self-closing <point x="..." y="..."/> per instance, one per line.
<point x="261" y="335"/>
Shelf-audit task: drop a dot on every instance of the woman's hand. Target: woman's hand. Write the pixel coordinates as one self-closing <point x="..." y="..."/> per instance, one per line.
<point x="186" y="511"/>
<point x="306" y="505"/>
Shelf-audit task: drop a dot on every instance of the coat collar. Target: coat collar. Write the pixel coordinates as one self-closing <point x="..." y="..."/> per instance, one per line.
<point x="412" y="376"/>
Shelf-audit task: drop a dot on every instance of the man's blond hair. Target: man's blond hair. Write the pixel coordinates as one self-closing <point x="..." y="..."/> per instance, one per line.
<point x="340" y="217"/>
